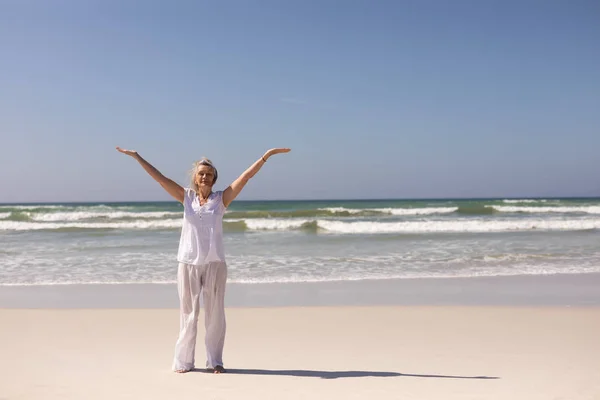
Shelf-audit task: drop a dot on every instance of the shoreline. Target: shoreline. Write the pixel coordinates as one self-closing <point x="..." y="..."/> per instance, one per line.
<point x="568" y="290"/>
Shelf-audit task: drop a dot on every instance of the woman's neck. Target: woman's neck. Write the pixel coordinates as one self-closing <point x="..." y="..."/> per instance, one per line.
<point x="204" y="192"/>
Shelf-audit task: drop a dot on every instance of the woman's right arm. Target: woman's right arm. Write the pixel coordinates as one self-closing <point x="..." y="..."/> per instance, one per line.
<point x="170" y="186"/>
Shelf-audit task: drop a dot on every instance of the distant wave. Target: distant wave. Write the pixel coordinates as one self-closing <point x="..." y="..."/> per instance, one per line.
<point x="332" y="226"/>
<point x="483" y="209"/>
<point x="16" y="216"/>
<point x="32" y="207"/>
<point x="86" y="215"/>
<point x="458" y="226"/>
<point x="418" y="211"/>
<point x="73" y="226"/>
<point x="564" y="210"/>
<point x="511" y="201"/>
<point x="144" y="217"/>
<point x="340" y="212"/>
<point x="320" y="212"/>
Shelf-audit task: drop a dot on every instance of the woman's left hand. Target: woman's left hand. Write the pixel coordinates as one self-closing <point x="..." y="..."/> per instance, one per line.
<point x="277" y="151"/>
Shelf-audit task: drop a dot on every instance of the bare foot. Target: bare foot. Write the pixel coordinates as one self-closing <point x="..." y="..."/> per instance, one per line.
<point x="219" y="369"/>
<point x="182" y="371"/>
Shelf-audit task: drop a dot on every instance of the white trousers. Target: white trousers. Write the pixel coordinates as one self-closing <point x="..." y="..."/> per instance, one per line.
<point x="209" y="279"/>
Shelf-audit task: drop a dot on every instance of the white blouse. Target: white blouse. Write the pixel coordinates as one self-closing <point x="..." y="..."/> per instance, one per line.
<point x="201" y="239"/>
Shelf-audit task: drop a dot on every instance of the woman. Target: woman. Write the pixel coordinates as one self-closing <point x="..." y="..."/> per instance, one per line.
<point x="201" y="257"/>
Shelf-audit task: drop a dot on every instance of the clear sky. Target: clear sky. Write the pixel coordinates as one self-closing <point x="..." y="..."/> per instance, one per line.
<point x="377" y="99"/>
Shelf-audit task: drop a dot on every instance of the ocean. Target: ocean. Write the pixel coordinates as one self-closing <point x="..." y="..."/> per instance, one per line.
<point x="304" y="241"/>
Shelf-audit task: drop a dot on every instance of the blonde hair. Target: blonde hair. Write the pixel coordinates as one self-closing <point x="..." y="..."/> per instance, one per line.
<point x="194" y="170"/>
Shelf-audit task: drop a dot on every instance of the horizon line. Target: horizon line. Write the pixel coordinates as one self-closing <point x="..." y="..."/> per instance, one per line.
<point x="316" y="200"/>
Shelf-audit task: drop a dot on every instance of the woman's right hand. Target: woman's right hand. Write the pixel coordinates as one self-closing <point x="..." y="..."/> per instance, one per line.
<point x="131" y="153"/>
<point x="171" y="187"/>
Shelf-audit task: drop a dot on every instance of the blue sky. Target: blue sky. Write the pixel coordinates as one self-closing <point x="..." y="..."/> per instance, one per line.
<point x="377" y="99"/>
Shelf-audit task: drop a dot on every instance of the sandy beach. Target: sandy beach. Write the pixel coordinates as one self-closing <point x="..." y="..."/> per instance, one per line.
<point x="387" y="352"/>
<point x="388" y="200"/>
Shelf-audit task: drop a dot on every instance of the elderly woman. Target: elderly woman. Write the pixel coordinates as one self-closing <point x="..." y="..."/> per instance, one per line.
<point x="201" y="256"/>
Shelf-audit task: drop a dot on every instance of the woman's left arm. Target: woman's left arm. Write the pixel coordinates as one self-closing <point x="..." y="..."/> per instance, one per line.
<point x="236" y="187"/>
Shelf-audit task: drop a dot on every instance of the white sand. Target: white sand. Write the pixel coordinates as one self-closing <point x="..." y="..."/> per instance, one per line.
<point x="303" y="353"/>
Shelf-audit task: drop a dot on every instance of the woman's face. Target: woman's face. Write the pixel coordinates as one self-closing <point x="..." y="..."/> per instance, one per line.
<point x="205" y="176"/>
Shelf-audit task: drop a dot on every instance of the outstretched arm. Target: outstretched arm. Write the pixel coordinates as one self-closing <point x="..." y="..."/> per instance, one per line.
<point x="236" y="187"/>
<point x="170" y="186"/>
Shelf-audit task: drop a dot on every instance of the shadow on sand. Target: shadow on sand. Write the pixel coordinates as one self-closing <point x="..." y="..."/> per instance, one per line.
<point x="339" y="374"/>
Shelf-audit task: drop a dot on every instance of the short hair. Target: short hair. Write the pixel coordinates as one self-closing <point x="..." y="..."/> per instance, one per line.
<point x="194" y="170"/>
